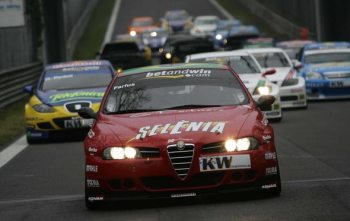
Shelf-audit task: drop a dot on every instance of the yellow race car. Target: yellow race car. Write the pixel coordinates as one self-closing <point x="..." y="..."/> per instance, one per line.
<point x="62" y="90"/>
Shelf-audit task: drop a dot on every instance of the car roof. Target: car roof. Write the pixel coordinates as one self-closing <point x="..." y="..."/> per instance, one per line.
<point x="81" y="63"/>
<point x="261" y="50"/>
<point x="326" y="45"/>
<point x="218" y="54"/>
<point x="207" y="17"/>
<point x="174" y="66"/>
<point x="322" y="51"/>
<point x="145" y="18"/>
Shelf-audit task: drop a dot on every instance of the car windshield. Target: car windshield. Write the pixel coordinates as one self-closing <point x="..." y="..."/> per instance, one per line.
<point x="206" y="22"/>
<point x="142" y="23"/>
<point x="176" y="16"/>
<point x="76" y="78"/>
<point x="272" y="60"/>
<point x="240" y="64"/>
<point x="185" y="48"/>
<point x="174" y="89"/>
<point x="120" y="48"/>
<point x="327" y="57"/>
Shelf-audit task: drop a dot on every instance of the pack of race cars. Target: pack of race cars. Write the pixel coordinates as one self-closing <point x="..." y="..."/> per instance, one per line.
<point x="183" y="130"/>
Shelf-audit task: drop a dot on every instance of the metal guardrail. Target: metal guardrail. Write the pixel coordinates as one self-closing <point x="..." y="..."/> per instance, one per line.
<point x="13" y="81"/>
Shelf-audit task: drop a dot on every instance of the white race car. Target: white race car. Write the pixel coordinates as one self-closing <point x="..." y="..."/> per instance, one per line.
<point x="251" y="74"/>
<point x="204" y="25"/>
<point x="292" y="86"/>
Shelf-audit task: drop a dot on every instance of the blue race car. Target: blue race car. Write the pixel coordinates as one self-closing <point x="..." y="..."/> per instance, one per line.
<point x="176" y="21"/>
<point x="220" y="34"/>
<point x="326" y="69"/>
<point x="154" y="38"/>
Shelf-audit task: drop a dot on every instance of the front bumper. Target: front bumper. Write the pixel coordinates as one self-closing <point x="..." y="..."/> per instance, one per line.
<point x="328" y="89"/>
<point x="294" y="96"/>
<point x="155" y="177"/>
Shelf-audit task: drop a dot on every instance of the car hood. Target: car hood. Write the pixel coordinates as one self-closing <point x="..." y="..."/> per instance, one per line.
<point x="251" y="81"/>
<point x="58" y="98"/>
<point x="165" y="127"/>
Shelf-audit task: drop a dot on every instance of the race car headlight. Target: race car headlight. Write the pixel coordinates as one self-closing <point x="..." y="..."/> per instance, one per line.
<point x="132" y="33"/>
<point x="120" y="153"/>
<point x="168" y="55"/>
<point x="313" y="76"/>
<point x="218" y="37"/>
<point x="264" y="90"/>
<point x="43" y="108"/>
<point x="242" y="144"/>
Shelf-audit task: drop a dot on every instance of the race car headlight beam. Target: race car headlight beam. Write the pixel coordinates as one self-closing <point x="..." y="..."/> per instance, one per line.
<point x="241" y="144"/>
<point x="43" y="108"/>
<point x="313" y="76"/>
<point x="263" y="90"/>
<point x="120" y="153"/>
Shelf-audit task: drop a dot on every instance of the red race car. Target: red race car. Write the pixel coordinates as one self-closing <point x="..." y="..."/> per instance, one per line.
<point x="140" y="24"/>
<point x="174" y="131"/>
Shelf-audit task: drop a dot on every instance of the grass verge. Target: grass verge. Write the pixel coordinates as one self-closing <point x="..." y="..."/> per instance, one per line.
<point x="12" y="117"/>
<point x="237" y="10"/>
<point x="12" y="121"/>
<point x="93" y="37"/>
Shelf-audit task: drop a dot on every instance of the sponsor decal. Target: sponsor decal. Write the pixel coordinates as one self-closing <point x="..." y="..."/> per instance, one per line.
<point x="92" y="150"/>
<point x="298" y="102"/>
<point x="31" y="134"/>
<point x="91" y="168"/>
<point x="269" y="186"/>
<point x="76" y="64"/>
<point x="267" y="138"/>
<point x="224" y="162"/>
<point x="272" y="113"/>
<point x="270" y="156"/>
<point x="265" y="121"/>
<point x="118" y="87"/>
<point x="95" y="198"/>
<point x="271" y="171"/>
<point x="88" y="68"/>
<point x="59" y="77"/>
<point x="173" y="74"/>
<point x="80" y="94"/>
<point x="180" y="195"/>
<point x="91" y="134"/>
<point x="92" y="183"/>
<point x="72" y="123"/>
<point x="180" y="127"/>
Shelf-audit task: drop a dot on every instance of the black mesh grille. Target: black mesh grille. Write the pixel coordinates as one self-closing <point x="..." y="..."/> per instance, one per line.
<point x="74" y="107"/>
<point x="45" y="125"/>
<point x="167" y="182"/>
<point x="289" y="98"/>
<point x="217" y="147"/>
<point x="181" y="159"/>
<point x="149" y="152"/>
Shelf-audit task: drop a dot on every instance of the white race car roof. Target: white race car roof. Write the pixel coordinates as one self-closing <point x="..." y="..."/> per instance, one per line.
<point x="262" y="50"/>
<point x="216" y="54"/>
<point x="207" y="17"/>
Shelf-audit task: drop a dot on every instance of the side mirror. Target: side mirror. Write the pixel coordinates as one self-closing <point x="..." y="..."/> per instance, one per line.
<point x="87" y="113"/>
<point x="268" y="72"/>
<point x="265" y="101"/>
<point x="28" y="89"/>
<point x="297" y="64"/>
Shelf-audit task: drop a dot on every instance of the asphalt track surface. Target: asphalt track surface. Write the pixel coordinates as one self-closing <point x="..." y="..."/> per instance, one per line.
<point x="45" y="182"/>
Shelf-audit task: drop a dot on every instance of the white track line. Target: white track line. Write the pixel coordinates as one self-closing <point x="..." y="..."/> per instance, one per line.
<point x="221" y="9"/>
<point x="11" y="151"/>
<point x="111" y="24"/>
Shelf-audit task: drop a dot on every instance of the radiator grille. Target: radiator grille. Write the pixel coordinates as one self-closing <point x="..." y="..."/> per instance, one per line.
<point x="181" y="159"/>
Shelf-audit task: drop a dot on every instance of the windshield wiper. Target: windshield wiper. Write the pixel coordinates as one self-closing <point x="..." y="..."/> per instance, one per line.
<point x="189" y="106"/>
<point x="132" y="111"/>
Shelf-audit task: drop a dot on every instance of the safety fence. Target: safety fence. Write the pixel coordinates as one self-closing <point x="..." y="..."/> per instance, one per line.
<point x="13" y="81"/>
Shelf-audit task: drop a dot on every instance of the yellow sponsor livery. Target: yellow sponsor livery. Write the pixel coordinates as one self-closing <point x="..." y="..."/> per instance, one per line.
<point x="52" y="110"/>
